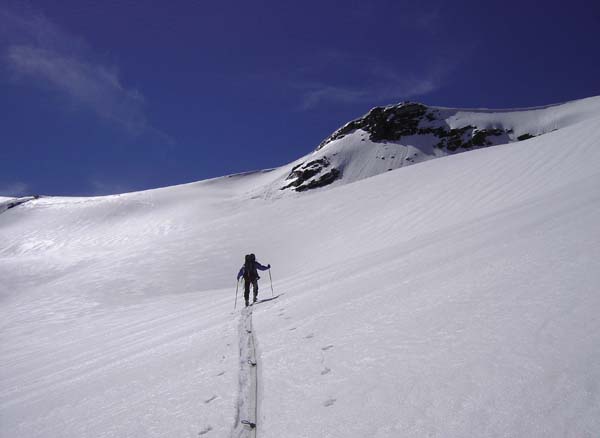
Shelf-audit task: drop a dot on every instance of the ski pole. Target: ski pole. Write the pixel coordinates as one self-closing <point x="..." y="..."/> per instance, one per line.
<point x="271" y="278"/>
<point x="237" y="285"/>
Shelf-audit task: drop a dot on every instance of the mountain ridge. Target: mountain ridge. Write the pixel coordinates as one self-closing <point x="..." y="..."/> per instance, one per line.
<point x="410" y="132"/>
<point x="373" y="144"/>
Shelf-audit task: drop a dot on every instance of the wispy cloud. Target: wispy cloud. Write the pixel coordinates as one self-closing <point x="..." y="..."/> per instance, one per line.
<point x="401" y="88"/>
<point x="100" y="186"/>
<point x="379" y="82"/>
<point x="93" y="85"/>
<point x="355" y="77"/>
<point x="39" y="52"/>
<point x="13" y="189"/>
<point x="427" y="18"/>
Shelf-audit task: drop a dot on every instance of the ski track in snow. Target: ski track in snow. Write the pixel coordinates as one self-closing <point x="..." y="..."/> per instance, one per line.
<point x="247" y="405"/>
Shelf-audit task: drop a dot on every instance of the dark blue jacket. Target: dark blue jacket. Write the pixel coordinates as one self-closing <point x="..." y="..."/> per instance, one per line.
<point x="258" y="266"/>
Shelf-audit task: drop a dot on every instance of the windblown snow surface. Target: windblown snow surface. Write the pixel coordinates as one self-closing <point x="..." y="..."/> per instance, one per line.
<point x="458" y="297"/>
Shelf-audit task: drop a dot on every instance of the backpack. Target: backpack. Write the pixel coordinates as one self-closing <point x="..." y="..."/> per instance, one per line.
<point x="250" y="272"/>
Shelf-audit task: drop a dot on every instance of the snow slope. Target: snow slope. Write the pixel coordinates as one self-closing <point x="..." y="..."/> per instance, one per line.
<point x="457" y="297"/>
<point x="8" y="203"/>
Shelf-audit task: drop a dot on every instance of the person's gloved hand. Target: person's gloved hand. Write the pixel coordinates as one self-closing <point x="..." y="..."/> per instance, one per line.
<point x="269" y="266"/>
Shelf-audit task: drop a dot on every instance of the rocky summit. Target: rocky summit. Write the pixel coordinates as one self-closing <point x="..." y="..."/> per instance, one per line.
<point x="404" y="134"/>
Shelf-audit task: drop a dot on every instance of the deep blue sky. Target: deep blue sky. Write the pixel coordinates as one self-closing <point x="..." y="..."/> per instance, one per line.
<point x="109" y="96"/>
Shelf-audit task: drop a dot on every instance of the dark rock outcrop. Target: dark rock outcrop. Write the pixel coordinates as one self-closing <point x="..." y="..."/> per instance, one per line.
<point x="391" y="123"/>
<point x="526" y="136"/>
<point x="384" y="123"/>
<point x="301" y="176"/>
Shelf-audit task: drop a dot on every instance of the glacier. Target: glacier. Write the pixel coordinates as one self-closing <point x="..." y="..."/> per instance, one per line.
<point x="456" y="296"/>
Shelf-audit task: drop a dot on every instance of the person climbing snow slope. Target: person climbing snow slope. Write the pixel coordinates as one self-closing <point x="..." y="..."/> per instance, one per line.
<point x="249" y="271"/>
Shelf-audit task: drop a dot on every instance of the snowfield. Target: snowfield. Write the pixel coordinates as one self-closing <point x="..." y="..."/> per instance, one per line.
<point x="456" y="297"/>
